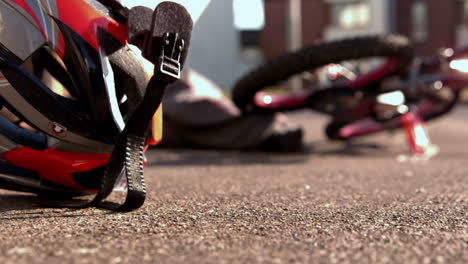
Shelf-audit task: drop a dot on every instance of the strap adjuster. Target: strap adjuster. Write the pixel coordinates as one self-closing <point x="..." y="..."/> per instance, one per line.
<point x="172" y="47"/>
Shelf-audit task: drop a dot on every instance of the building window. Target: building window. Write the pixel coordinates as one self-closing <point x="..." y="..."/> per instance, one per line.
<point x="465" y="8"/>
<point x="249" y="20"/>
<point x="250" y="43"/>
<point x="465" y="12"/>
<point x="419" y="30"/>
<point x="350" y="14"/>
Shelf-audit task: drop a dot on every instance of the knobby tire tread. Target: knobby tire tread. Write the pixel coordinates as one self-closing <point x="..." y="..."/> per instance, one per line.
<point x="315" y="56"/>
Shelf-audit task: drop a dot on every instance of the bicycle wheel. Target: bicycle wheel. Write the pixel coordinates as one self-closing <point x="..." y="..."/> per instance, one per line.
<point x="313" y="57"/>
<point x="332" y="130"/>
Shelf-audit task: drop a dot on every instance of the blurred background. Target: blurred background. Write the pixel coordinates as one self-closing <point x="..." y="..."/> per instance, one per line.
<point x="233" y="36"/>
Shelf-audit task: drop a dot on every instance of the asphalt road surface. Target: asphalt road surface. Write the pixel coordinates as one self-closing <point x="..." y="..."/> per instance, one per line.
<point x="361" y="203"/>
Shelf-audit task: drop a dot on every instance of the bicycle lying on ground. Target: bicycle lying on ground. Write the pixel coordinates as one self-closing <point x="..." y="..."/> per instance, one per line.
<point x="399" y="90"/>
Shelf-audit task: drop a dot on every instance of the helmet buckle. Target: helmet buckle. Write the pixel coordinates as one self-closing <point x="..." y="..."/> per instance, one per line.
<point x="172" y="47"/>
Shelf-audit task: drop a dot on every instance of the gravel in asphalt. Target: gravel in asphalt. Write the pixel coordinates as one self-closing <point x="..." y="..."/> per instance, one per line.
<point x="332" y="204"/>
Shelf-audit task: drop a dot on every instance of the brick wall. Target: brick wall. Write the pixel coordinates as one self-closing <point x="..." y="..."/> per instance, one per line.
<point x="273" y="39"/>
<point x="315" y="17"/>
<point x="314" y="20"/>
<point x="444" y="17"/>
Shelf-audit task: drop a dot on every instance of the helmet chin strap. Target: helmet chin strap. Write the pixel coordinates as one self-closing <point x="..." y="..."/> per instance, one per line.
<point x="127" y="155"/>
<point x="163" y="39"/>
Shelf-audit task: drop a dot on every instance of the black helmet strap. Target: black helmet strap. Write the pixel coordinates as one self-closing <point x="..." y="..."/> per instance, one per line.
<point x="128" y="151"/>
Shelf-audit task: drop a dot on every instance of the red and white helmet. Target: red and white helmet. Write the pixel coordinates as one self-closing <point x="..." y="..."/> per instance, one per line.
<point x="67" y="71"/>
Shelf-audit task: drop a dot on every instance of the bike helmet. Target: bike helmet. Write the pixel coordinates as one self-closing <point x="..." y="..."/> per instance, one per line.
<point x="67" y="71"/>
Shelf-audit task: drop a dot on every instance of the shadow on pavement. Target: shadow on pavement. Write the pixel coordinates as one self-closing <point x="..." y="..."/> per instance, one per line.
<point x="21" y="207"/>
<point x="195" y="157"/>
<point x="198" y="157"/>
<point x="11" y="202"/>
<point x="357" y="149"/>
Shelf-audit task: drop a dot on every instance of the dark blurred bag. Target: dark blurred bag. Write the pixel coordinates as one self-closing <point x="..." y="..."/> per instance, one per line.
<point x="198" y="114"/>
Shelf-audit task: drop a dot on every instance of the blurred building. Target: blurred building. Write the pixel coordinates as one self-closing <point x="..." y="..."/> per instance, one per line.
<point x="233" y="36"/>
<point x="430" y="24"/>
<point x="225" y="41"/>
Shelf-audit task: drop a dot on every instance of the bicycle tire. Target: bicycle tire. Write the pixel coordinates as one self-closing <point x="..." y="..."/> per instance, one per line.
<point x="315" y="56"/>
<point x="332" y="130"/>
